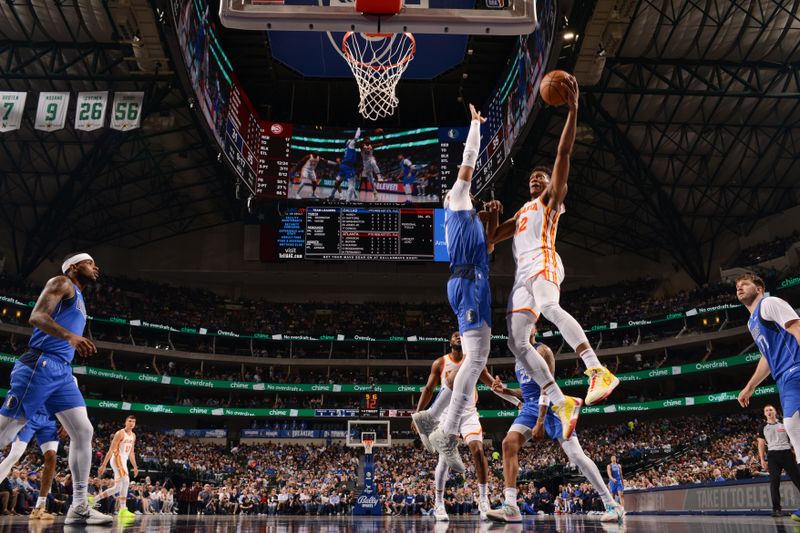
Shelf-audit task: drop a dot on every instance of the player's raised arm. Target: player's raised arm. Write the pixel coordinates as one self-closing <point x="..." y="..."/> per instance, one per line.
<point x="471" y="147"/>
<point x="57" y="289"/>
<point x="557" y="190"/>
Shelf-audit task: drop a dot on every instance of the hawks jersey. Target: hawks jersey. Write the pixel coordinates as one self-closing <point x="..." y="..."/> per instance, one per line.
<point x="449" y="368"/>
<point x="126" y="445"/>
<point x="366" y="153"/>
<point x="311" y="163"/>
<point x="534" y="244"/>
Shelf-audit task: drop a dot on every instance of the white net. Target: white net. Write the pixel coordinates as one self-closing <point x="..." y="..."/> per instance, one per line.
<point x="377" y="62"/>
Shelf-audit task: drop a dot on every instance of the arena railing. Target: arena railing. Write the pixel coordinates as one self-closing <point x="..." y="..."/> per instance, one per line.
<point x="315" y="388"/>
<point x="636" y="407"/>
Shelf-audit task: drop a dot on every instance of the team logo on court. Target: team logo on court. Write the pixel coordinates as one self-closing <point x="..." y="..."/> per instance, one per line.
<point x="276" y="129"/>
<point x="11" y="401"/>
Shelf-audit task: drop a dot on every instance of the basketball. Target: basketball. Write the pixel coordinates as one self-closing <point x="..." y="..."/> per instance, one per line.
<point x="379" y="131"/>
<point x="553" y="93"/>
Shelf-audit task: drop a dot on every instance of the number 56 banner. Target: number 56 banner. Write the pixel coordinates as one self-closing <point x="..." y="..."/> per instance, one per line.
<point x="90" y="110"/>
<point x="126" y="113"/>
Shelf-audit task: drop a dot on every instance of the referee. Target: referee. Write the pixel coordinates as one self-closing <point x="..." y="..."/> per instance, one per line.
<point x="779" y="455"/>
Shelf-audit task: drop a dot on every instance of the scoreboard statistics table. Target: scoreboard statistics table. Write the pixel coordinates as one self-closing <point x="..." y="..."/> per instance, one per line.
<point x="361" y="233"/>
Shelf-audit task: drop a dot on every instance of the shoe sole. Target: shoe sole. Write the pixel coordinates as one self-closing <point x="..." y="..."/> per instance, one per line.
<point x="573" y="421"/>
<point x="504" y="520"/>
<point x="614" y="385"/>
<point x="796" y="518"/>
<point x="426" y="442"/>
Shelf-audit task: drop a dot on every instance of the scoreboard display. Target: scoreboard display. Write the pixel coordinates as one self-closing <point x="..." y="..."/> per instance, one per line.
<point x="362" y="233"/>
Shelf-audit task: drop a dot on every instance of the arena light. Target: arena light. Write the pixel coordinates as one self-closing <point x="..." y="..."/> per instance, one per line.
<point x="570" y="36"/>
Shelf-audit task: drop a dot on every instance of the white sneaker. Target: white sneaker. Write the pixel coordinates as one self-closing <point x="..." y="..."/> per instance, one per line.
<point x="614" y="513"/>
<point x="440" y="513"/>
<point x="297" y="196"/>
<point x="508" y="514"/>
<point x="484" y="507"/>
<point x="447" y="446"/>
<point x="82" y="514"/>
<point x="426" y="424"/>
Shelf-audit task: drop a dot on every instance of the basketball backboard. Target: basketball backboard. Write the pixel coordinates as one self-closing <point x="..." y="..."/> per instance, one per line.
<point x="425" y="17"/>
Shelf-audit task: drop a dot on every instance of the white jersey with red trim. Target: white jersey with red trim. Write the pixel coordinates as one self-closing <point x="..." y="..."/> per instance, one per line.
<point x="451" y="367"/>
<point x="125" y="445"/>
<point x="534" y="243"/>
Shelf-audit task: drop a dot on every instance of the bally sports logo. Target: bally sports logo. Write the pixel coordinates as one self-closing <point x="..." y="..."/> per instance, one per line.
<point x="276" y="129"/>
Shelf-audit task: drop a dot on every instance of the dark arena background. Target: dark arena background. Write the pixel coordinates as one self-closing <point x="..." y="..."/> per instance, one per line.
<point x="268" y="291"/>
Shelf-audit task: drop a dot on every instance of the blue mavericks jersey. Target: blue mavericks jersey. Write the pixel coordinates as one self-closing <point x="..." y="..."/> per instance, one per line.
<point x="350" y="154"/>
<point x="777" y="345"/>
<point x="530" y="389"/>
<point x="407" y="168"/>
<point x="615" y="473"/>
<point x="466" y="243"/>
<point x="70" y="314"/>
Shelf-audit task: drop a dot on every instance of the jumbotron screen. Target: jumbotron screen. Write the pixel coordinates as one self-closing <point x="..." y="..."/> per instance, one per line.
<point x="362" y="233"/>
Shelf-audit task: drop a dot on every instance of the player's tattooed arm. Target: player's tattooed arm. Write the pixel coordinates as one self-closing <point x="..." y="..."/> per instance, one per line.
<point x="57" y="289"/>
<point x="557" y="190"/>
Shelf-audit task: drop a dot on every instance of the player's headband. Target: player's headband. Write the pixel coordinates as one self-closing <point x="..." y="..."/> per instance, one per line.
<point x="74" y="260"/>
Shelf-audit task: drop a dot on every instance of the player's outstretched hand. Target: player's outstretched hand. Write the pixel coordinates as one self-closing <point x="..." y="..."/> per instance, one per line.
<point x="538" y="431"/>
<point x="82" y="345"/>
<point x="414" y="428"/>
<point x="493" y="206"/>
<point x="497" y="385"/>
<point x="476" y="115"/>
<point x="744" y="397"/>
<point x="570" y="85"/>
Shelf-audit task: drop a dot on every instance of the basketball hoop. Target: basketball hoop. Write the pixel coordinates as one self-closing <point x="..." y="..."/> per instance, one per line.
<point x="377" y="61"/>
<point x="368" y="443"/>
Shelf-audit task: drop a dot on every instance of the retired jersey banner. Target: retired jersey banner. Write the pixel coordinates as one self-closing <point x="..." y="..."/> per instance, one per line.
<point x="12" y="105"/>
<point x="90" y="110"/>
<point x="51" y="113"/>
<point x="126" y="113"/>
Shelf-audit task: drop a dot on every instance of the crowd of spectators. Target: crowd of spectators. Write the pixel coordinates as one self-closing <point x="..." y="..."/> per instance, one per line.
<point x="764" y="251"/>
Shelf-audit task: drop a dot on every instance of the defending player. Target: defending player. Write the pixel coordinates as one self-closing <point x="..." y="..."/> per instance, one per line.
<point x="616" y="484"/>
<point x="44" y="428"/>
<point x="538" y="278"/>
<point x="370" y="169"/>
<point x="468" y="293"/>
<point x="308" y="173"/>
<point x="443" y="372"/>
<point x="347" y="167"/>
<point x="775" y="327"/>
<point x="408" y="175"/>
<point x="537" y="421"/>
<point x="43" y="377"/>
<point x="120" y="450"/>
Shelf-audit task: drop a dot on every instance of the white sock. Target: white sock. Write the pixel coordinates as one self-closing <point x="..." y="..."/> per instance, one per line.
<point x="578" y="457"/>
<point x="439" y="498"/>
<point x="41" y="502"/>
<point x="483" y="491"/>
<point x="476" y="345"/>
<point x="510" y="496"/>
<point x="441" y="402"/>
<point x="590" y="358"/>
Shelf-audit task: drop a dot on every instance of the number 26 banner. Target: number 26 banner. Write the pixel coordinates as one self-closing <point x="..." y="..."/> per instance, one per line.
<point x="90" y="110"/>
<point x="126" y="113"/>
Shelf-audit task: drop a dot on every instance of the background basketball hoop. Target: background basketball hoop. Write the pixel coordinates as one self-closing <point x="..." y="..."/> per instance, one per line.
<point x="378" y="61"/>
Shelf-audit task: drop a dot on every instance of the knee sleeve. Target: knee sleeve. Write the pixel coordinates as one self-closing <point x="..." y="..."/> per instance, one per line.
<point x="9" y="427"/>
<point x="441" y="474"/>
<point x="124" y="483"/>
<point x="792" y="425"/>
<point x="520" y="326"/>
<point x="476" y="345"/>
<point x="572" y="448"/>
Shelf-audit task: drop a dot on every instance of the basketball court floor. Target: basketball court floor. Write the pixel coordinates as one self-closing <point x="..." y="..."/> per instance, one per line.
<point x="303" y="524"/>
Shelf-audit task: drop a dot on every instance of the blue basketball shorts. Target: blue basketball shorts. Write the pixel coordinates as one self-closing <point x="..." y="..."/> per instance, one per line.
<point x="40" y="425"/>
<point x="41" y="382"/>
<point x="470" y="299"/>
<point x="529" y="415"/>
<point x="346" y="173"/>
<point x="616" y="486"/>
<point x="789" y="392"/>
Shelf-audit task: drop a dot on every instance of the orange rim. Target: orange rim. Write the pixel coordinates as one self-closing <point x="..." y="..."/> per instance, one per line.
<point x="361" y="64"/>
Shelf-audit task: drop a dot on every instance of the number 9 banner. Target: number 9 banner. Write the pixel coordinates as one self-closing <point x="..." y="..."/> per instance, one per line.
<point x="126" y="113"/>
<point x="90" y="110"/>
<point x="51" y="113"/>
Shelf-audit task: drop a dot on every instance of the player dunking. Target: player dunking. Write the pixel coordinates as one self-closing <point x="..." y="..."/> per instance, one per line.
<point x="538" y="277"/>
<point x="347" y="167"/>
<point x="43" y="377"/>
<point x="537" y="421"/>
<point x="616" y="484"/>
<point x="443" y="372"/>
<point x="775" y="327"/>
<point x="468" y="293"/>
<point x="120" y="450"/>
<point x="308" y="173"/>
<point x="43" y="426"/>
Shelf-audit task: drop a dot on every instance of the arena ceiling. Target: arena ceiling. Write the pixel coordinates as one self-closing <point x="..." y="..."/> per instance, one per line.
<point x="688" y="132"/>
